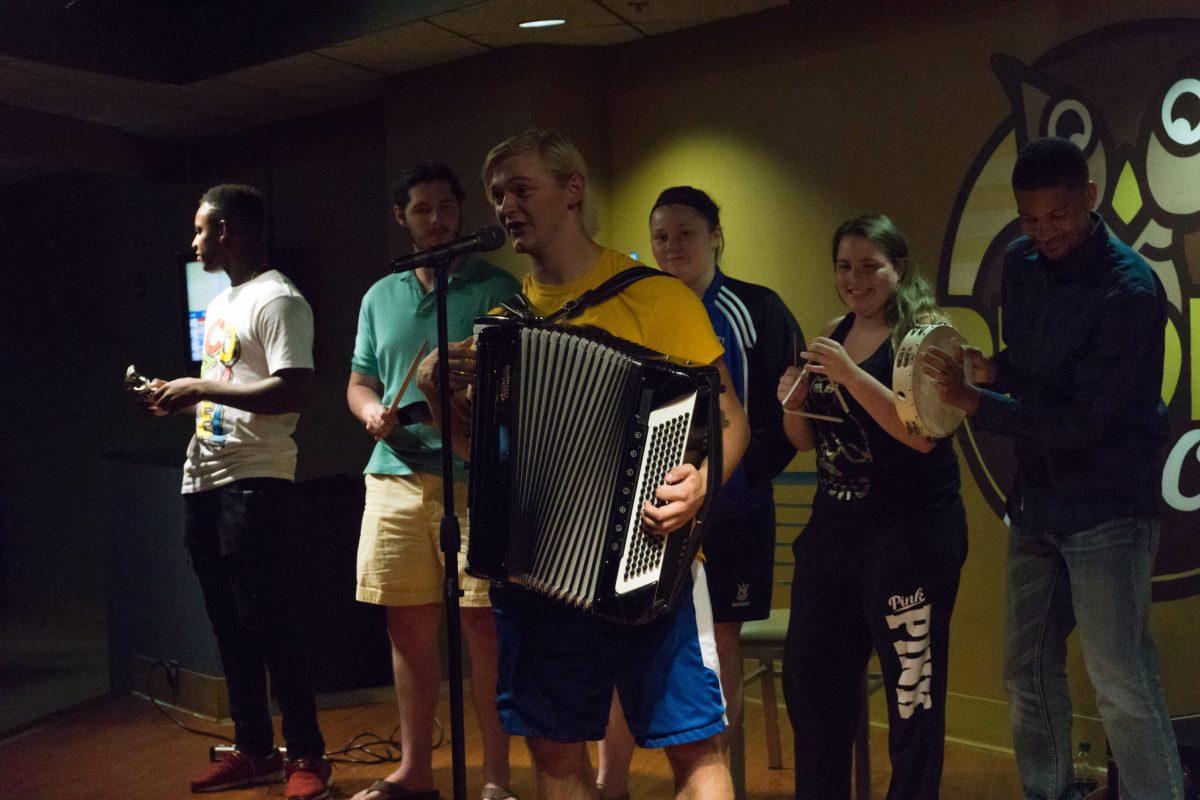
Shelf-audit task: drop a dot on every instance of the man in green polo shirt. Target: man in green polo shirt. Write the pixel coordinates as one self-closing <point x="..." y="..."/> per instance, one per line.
<point x="400" y="562"/>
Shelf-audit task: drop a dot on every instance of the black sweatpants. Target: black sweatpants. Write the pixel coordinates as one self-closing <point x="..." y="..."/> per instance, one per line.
<point x="238" y="540"/>
<point x="890" y="585"/>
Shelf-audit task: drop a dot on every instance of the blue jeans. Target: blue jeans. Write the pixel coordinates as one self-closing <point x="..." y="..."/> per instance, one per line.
<point x="242" y="552"/>
<point x="1099" y="580"/>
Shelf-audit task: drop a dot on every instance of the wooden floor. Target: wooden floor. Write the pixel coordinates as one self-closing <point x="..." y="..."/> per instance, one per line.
<point x="120" y="748"/>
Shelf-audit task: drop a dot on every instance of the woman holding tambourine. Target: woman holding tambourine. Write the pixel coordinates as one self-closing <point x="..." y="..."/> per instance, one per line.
<point x="877" y="565"/>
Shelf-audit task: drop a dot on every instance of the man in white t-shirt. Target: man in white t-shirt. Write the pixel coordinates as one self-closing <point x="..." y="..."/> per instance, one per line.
<point x="257" y="375"/>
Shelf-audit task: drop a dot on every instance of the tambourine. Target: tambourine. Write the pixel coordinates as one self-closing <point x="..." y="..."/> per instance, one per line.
<point x="921" y="410"/>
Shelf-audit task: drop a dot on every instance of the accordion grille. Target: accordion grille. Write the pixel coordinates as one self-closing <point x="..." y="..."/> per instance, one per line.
<point x="572" y="444"/>
<point x="664" y="450"/>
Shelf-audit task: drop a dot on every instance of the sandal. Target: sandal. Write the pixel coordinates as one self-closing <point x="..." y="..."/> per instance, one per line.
<point x="494" y="791"/>
<point x="394" y="791"/>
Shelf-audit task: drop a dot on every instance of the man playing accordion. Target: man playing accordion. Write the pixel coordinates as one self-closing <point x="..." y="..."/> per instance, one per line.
<point x="559" y="665"/>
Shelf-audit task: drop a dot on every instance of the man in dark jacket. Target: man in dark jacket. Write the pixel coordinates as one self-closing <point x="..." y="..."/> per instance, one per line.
<point x="1077" y="388"/>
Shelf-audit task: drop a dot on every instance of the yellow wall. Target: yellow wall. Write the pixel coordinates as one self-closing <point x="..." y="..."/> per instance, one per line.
<point x="795" y="120"/>
<point x="794" y="124"/>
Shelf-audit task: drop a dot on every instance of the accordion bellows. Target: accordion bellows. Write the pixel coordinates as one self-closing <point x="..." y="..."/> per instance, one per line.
<point x="572" y="431"/>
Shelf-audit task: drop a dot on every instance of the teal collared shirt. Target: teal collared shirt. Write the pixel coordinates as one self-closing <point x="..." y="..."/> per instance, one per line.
<point x="396" y="316"/>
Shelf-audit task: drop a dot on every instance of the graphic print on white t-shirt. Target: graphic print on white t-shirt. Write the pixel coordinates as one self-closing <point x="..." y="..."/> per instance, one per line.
<point x="221" y="352"/>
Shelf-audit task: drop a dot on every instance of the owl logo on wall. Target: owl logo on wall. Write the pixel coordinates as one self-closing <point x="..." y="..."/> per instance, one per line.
<point x="1129" y="96"/>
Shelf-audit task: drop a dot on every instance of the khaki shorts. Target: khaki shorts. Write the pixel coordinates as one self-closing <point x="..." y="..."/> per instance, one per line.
<point x="400" y="562"/>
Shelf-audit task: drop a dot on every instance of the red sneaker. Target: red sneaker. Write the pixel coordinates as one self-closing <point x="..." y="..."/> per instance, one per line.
<point x="308" y="778"/>
<point x="236" y="770"/>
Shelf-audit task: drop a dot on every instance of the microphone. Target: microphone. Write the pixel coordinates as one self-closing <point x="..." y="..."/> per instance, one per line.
<point x="481" y="241"/>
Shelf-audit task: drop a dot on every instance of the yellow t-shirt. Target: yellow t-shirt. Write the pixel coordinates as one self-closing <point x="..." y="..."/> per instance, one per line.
<point x="660" y="313"/>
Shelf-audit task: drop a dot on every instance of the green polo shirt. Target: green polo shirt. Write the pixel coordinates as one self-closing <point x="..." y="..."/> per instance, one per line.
<point x="396" y="316"/>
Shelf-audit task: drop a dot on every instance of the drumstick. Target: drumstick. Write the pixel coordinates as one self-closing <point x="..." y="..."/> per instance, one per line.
<point x="412" y="369"/>
<point x="825" y="417"/>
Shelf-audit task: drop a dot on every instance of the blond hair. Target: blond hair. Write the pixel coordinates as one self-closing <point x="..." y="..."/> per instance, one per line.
<point x="560" y="158"/>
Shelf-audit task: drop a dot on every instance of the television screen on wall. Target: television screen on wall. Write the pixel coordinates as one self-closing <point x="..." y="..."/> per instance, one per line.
<point x="200" y="288"/>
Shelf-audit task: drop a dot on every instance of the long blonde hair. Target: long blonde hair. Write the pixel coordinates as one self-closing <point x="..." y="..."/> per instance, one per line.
<point x="913" y="302"/>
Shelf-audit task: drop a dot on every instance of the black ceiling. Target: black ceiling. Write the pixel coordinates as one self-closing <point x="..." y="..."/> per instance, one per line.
<point x="181" y="41"/>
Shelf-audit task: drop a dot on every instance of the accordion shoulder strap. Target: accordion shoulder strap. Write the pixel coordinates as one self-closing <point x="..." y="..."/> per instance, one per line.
<point x="517" y="306"/>
<point x="611" y="287"/>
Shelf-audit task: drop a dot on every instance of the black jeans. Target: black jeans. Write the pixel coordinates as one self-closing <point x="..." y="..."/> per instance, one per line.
<point x="238" y="540"/>
<point x="889" y="585"/>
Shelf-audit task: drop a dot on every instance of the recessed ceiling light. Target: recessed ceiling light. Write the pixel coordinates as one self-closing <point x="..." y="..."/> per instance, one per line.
<point x="542" y="23"/>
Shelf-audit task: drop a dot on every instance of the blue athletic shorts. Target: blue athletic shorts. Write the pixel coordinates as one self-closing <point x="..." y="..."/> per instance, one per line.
<point x="559" y="666"/>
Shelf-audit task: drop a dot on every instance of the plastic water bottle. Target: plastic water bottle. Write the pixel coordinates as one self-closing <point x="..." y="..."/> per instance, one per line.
<point x="1086" y="779"/>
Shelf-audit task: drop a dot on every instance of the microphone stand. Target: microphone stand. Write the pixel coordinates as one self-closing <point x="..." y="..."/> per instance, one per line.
<point x="439" y="260"/>
<point x="451" y="536"/>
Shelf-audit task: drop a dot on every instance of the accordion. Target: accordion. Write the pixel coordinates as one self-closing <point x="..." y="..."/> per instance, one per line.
<point x="572" y="431"/>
